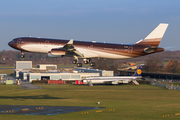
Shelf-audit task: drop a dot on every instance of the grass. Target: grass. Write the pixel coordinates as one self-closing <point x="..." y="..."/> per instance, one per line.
<point x="72" y="65"/>
<point x="7" y="67"/>
<point x="7" y="71"/>
<point x="130" y="102"/>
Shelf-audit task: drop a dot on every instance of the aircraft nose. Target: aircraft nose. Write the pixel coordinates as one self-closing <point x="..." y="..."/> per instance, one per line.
<point x="10" y="44"/>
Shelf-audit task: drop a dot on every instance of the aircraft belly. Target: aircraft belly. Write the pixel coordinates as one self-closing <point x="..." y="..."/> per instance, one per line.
<point x="87" y="53"/>
<point x="112" y="56"/>
<point x="90" y="53"/>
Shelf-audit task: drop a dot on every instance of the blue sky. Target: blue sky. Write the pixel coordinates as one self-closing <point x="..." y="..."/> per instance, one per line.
<point x="110" y="21"/>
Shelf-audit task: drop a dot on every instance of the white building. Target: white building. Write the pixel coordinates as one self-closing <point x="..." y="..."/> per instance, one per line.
<point x="46" y="66"/>
<point x="101" y="72"/>
<point x="24" y="71"/>
<point x="59" y="76"/>
<point x="23" y="65"/>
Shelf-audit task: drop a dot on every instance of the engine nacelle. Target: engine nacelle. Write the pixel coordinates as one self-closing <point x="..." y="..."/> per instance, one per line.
<point x="56" y="53"/>
<point x="50" y="55"/>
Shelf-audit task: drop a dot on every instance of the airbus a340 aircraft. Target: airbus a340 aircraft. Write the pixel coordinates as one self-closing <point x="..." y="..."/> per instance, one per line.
<point x="88" y="50"/>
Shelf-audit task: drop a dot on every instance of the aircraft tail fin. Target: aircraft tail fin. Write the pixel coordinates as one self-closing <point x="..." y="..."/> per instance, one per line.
<point x="154" y="38"/>
<point x="138" y="71"/>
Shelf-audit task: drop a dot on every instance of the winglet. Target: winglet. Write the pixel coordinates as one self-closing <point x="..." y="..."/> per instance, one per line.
<point x="70" y="42"/>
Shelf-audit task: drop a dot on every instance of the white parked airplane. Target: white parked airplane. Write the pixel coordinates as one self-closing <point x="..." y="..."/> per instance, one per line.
<point x="115" y="79"/>
<point x="88" y="50"/>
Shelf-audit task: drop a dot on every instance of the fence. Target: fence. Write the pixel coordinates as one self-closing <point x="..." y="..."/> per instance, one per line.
<point x="166" y="86"/>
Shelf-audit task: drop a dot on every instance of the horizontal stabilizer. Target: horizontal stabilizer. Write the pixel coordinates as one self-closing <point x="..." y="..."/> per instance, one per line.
<point x="150" y="49"/>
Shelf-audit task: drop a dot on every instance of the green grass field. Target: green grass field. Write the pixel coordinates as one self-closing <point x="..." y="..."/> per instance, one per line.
<point x="130" y="102"/>
<point x="7" y="66"/>
<point x="7" y="71"/>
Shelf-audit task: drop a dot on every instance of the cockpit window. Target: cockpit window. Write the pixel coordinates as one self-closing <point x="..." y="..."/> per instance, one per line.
<point x="12" y="41"/>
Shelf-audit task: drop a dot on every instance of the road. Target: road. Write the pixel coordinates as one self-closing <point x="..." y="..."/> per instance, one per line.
<point x="6" y="68"/>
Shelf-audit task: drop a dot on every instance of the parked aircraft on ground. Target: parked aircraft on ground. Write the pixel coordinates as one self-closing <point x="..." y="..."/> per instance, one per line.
<point x="115" y="79"/>
<point x="88" y="50"/>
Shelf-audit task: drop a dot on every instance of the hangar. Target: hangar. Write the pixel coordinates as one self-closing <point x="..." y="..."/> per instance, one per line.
<point x="58" y="76"/>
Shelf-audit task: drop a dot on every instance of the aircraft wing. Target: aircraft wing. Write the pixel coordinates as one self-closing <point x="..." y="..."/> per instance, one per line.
<point x="70" y="49"/>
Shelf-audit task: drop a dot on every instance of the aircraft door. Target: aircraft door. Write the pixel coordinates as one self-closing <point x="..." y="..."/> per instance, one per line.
<point x="130" y="49"/>
<point x="19" y="41"/>
<point x="91" y="46"/>
<point x="46" y="43"/>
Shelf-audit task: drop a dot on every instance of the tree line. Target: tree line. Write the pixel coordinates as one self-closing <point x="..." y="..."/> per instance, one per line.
<point x="155" y="64"/>
<point x="167" y="61"/>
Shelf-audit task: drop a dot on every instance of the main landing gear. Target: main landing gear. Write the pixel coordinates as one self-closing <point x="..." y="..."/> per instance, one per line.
<point x="85" y="61"/>
<point x="76" y="62"/>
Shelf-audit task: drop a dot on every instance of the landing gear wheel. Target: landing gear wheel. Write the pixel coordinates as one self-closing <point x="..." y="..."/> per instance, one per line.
<point x="92" y="64"/>
<point x="22" y="56"/>
<point x="74" y="61"/>
<point x="79" y="64"/>
<point x="86" y="62"/>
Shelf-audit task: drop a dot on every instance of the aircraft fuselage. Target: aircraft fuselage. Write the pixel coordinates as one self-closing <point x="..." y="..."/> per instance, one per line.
<point x="87" y="49"/>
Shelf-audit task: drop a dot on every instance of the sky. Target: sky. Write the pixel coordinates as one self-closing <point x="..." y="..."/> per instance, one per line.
<point x="110" y="21"/>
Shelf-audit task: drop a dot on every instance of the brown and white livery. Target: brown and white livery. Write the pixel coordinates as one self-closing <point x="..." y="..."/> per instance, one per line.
<point x="88" y="50"/>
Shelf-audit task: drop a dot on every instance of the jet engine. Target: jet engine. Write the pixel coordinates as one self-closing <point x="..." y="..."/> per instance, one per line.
<point x="56" y="53"/>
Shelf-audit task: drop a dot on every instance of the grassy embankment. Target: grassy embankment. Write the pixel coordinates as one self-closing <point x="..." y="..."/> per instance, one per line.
<point x="130" y="102"/>
<point x="7" y="71"/>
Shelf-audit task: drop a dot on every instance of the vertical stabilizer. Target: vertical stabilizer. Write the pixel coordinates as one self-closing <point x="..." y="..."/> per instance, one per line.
<point x="138" y="71"/>
<point x="154" y="38"/>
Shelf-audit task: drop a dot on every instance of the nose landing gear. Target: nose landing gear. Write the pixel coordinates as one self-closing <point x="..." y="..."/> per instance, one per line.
<point x="22" y="54"/>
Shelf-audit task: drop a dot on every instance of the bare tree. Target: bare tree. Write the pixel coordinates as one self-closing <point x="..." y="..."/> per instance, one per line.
<point x="172" y="66"/>
<point x="101" y="64"/>
<point x="107" y="64"/>
<point x="152" y="64"/>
